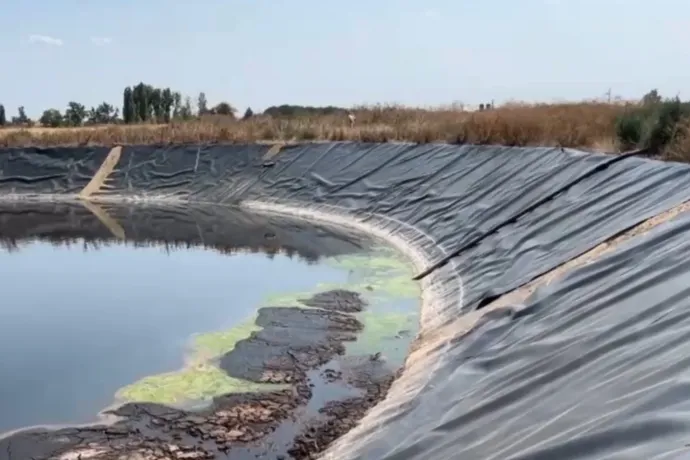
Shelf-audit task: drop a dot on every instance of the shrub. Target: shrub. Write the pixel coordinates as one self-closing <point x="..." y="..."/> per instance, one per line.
<point x="651" y="124"/>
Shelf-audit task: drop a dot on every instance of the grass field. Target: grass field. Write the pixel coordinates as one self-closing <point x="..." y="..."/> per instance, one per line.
<point x="589" y="125"/>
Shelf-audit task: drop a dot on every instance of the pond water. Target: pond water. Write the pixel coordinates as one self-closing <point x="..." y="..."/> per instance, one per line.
<point x="77" y="325"/>
<point x="100" y="308"/>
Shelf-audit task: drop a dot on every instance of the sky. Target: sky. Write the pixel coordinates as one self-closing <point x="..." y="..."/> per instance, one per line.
<point x="260" y="53"/>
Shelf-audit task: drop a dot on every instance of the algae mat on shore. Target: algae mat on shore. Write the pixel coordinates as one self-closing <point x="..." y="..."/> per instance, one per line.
<point x="200" y="379"/>
<point x="390" y="321"/>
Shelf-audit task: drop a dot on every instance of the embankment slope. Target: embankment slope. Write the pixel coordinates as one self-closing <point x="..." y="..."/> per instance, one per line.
<point x="590" y="366"/>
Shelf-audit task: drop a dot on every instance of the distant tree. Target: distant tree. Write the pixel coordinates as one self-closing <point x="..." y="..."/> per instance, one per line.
<point x="21" y="119"/>
<point x="144" y="103"/>
<point x="177" y="104"/>
<point x="167" y="101"/>
<point x="91" y="117"/>
<point x="3" y="116"/>
<point x="136" y="97"/>
<point x="151" y="103"/>
<point x="156" y="103"/>
<point x="75" y="114"/>
<point x="186" y="109"/>
<point x="102" y="115"/>
<point x="248" y="114"/>
<point x="128" y="106"/>
<point x="141" y="102"/>
<point x="651" y="98"/>
<point x="202" y="104"/>
<point x="286" y="110"/>
<point x="224" y="108"/>
<point x="51" y="118"/>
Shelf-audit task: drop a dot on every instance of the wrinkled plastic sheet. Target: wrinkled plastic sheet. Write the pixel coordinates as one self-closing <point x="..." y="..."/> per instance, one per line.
<point x="593" y="367"/>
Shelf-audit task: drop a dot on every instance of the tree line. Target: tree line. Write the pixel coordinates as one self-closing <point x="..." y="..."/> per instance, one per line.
<point x="143" y="103"/>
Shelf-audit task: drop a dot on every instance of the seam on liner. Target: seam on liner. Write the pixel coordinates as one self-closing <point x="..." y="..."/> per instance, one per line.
<point x="442" y="297"/>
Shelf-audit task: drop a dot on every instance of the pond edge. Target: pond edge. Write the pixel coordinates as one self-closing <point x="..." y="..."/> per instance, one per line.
<point x="441" y="301"/>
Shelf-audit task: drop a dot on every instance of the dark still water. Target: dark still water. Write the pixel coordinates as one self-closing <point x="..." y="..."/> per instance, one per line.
<point x="77" y="325"/>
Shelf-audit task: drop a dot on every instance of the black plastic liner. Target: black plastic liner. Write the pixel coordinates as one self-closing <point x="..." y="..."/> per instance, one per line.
<point x="596" y="366"/>
<point x="593" y="368"/>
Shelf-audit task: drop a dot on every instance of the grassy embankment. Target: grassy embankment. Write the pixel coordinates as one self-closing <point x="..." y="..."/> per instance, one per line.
<point x="593" y="125"/>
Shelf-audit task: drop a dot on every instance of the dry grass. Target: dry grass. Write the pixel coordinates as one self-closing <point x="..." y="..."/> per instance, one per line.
<point x="586" y="124"/>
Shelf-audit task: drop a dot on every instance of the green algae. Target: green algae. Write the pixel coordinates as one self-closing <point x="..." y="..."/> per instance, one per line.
<point x="387" y="325"/>
<point x="381" y="273"/>
<point x="379" y="276"/>
<point x="201" y="382"/>
<point x="210" y="345"/>
<point x="375" y="265"/>
<point x="289" y="299"/>
<point x="390" y="333"/>
<point x="382" y="277"/>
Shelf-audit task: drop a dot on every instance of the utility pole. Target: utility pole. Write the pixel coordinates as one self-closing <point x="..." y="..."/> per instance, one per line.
<point x="608" y="95"/>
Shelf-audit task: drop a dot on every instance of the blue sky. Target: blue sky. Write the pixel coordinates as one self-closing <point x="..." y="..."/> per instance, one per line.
<point x="259" y="53"/>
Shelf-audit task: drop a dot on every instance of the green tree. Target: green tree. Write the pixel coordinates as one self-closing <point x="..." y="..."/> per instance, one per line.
<point x="150" y="104"/>
<point x="102" y="115"/>
<point x="156" y="103"/>
<point x="112" y="111"/>
<point x="202" y="104"/>
<point x="51" y="118"/>
<point x="167" y="104"/>
<point x="186" y="109"/>
<point x="3" y="116"/>
<point x="248" y="114"/>
<point x="224" y="108"/>
<point x="128" y="106"/>
<point x="91" y="117"/>
<point x="286" y="110"/>
<point x="75" y="114"/>
<point x="141" y="102"/>
<point x="21" y="119"/>
<point x="652" y="98"/>
<point x="177" y="105"/>
<point x="150" y="108"/>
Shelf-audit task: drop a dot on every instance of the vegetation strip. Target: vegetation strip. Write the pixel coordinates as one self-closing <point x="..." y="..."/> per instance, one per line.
<point x="160" y="116"/>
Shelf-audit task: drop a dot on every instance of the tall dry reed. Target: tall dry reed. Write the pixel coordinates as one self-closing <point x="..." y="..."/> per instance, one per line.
<point x="587" y="124"/>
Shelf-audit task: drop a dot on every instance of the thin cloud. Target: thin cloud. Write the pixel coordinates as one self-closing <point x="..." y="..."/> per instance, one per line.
<point x="46" y="40"/>
<point x="101" y="41"/>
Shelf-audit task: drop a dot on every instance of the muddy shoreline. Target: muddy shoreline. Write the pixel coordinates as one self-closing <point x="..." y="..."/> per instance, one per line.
<point x="322" y="394"/>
